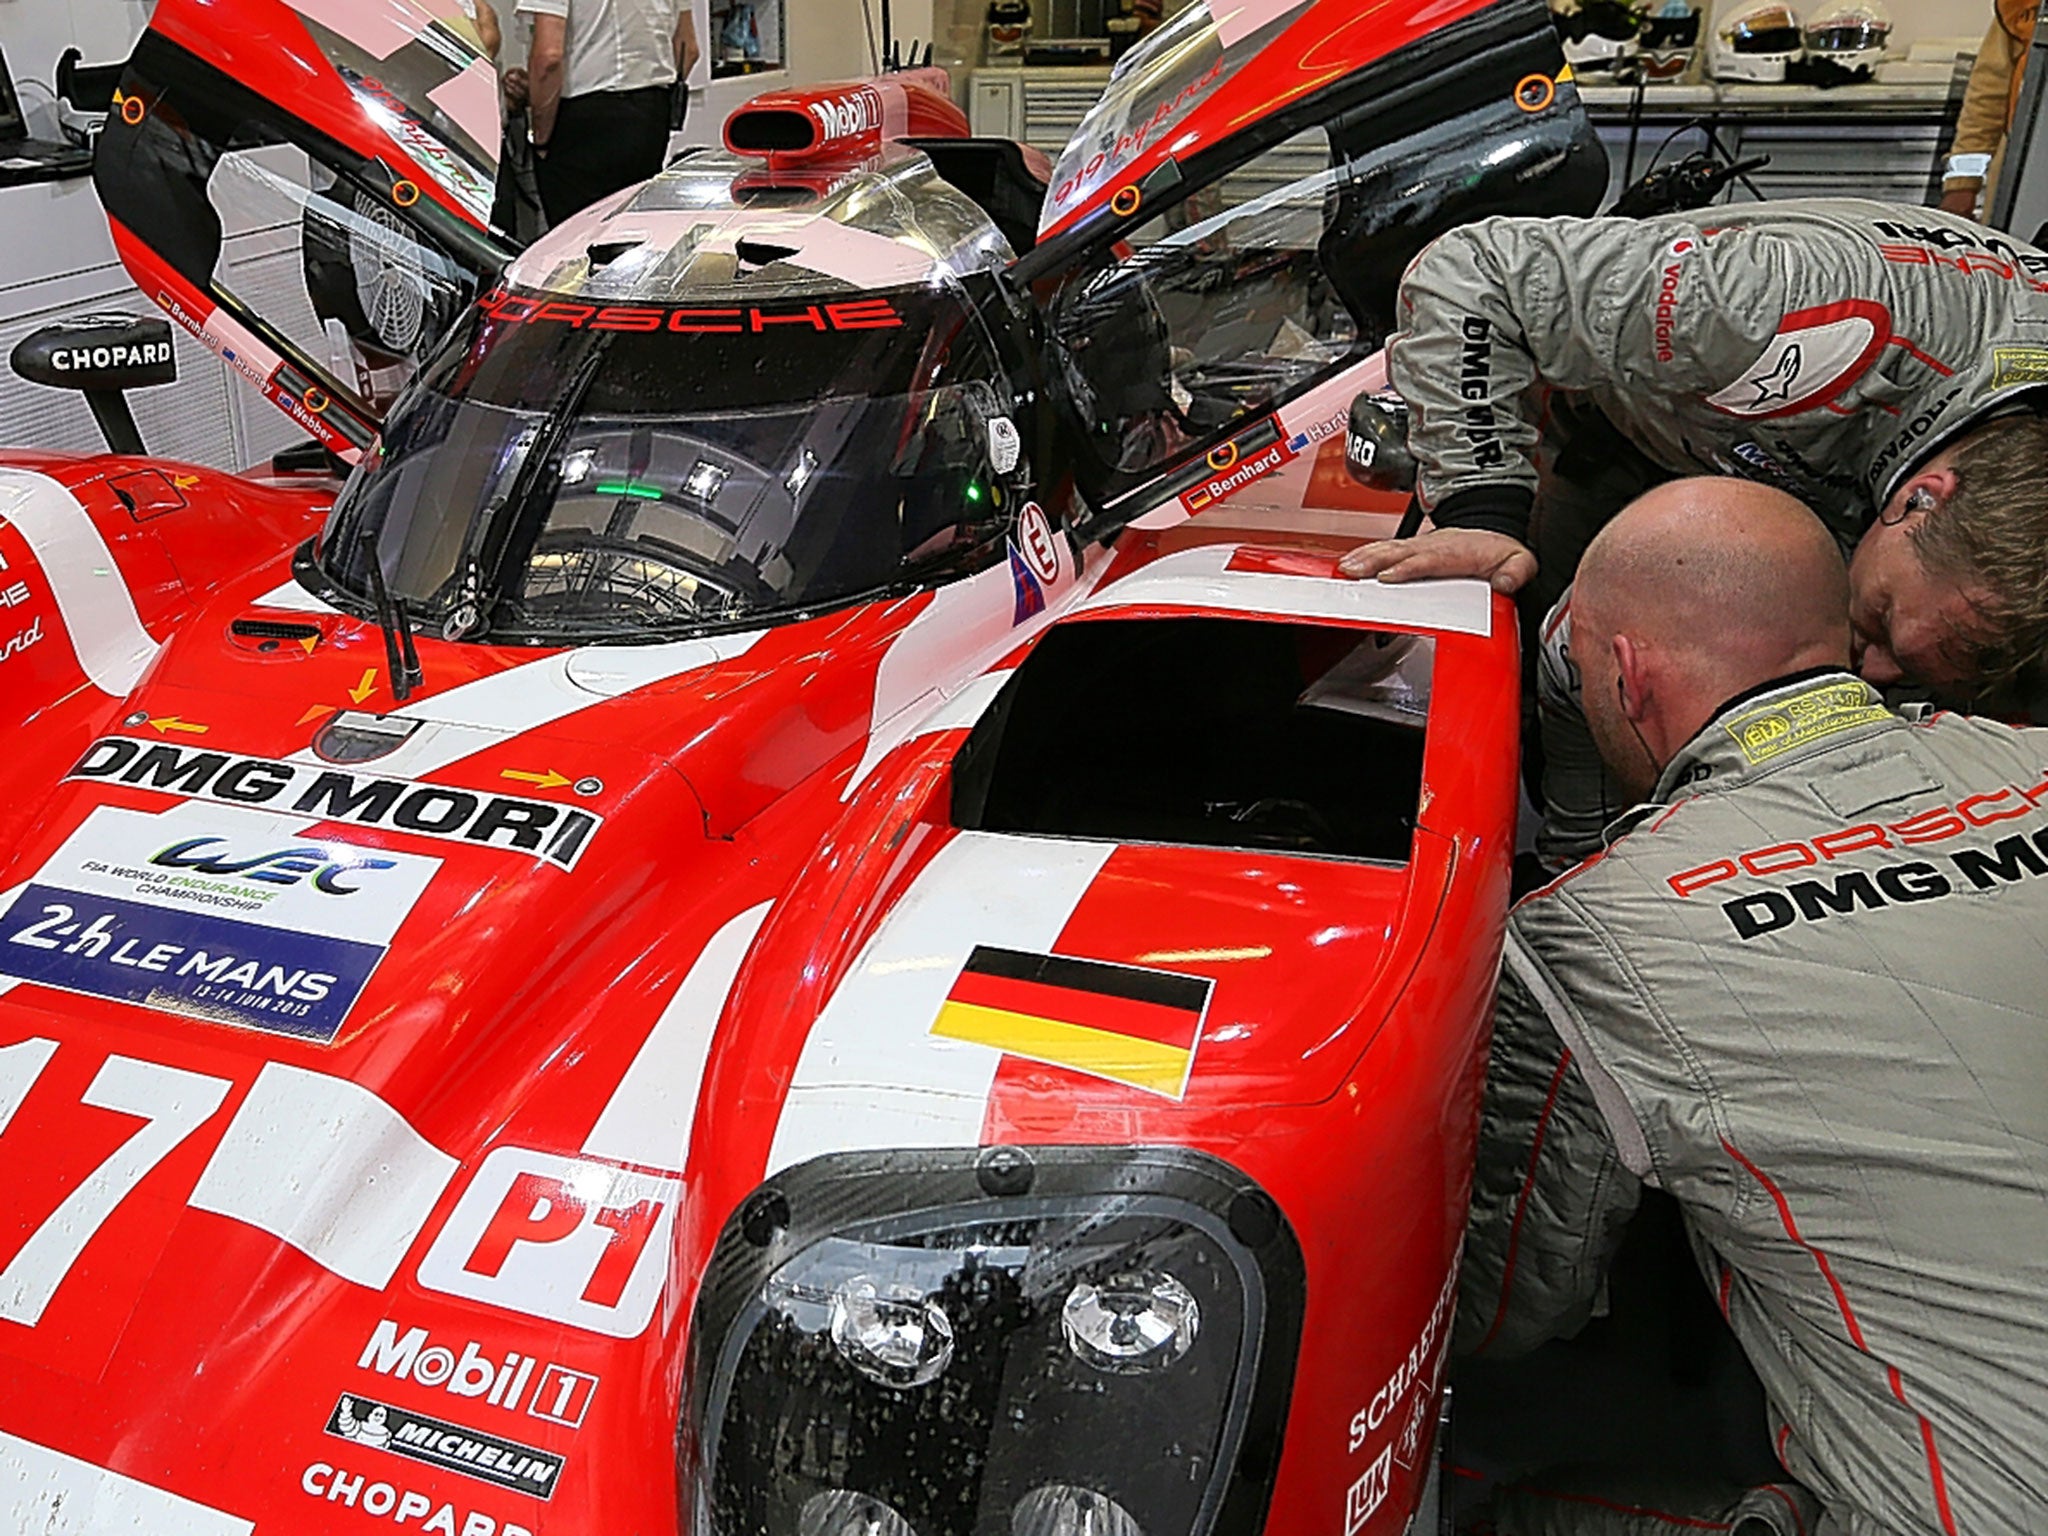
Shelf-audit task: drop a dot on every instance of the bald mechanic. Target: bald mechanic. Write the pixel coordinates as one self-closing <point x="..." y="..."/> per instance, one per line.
<point x="1881" y="363"/>
<point x="1805" y="991"/>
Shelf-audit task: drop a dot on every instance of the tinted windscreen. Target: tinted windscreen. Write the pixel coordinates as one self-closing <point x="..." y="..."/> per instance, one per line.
<point x="572" y="470"/>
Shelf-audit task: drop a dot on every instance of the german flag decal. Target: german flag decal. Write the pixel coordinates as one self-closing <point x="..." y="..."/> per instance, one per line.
<point x="1123" y="1022"/>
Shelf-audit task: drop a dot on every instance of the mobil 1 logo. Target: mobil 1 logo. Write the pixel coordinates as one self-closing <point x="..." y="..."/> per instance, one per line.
<point x="471" y="1452"/>
<point x="547" y="1391"/>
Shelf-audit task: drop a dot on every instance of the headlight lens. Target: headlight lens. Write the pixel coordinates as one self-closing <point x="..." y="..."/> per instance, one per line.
<point x="900" y="1340"/>
<point x="1131" y="1323"/>
<point x="1101" y="1348"/>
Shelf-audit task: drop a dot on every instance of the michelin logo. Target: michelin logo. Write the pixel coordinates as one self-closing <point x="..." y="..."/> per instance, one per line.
<point x="452" y="1448"/>
<point x="205" y="914"/>
<point x="556" y="833"/>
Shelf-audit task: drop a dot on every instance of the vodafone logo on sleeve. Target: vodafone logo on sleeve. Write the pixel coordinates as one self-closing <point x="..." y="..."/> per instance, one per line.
<point x="568" y="1239"/>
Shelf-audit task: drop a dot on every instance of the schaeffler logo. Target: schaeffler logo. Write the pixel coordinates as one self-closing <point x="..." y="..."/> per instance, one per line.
<point x="842" y="117"/>
<point x="559" y="1395"/>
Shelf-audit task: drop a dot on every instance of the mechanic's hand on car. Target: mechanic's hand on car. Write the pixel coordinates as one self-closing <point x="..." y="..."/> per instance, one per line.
<point x="1962" y="200"/>
<point x="1502" y="563"/>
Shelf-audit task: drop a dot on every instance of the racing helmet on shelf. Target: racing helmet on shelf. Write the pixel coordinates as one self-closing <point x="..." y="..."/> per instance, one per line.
<point x="1756" y="43"/>
<point x="1599" y="36"/>
<point x="1850" y="35"/>
<point x="1670" y="37"/>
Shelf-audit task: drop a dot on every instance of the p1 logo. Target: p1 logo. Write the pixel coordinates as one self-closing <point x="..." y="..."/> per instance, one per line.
<point x="563" y="1238"/>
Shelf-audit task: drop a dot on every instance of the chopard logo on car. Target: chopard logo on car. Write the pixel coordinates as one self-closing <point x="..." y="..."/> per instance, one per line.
<point x="561" y="1396"/>
<point x="92" y="359"/>
<point x="556" y="833"/>
<point x="451" y="1447"/>
<point x="384" y="1501"/>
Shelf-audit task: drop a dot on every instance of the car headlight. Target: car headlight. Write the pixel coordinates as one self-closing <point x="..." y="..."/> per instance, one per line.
<point x="1053" y="1341"/>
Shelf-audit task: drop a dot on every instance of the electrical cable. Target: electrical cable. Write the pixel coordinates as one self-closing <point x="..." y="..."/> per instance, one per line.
<point x="868" y="29"/>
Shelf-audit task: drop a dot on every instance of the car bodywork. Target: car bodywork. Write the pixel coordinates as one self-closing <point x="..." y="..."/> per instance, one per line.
<point x="737" y="1080"/>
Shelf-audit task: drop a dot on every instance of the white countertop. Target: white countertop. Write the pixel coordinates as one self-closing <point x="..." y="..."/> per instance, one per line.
<point x="1874" y="96"/>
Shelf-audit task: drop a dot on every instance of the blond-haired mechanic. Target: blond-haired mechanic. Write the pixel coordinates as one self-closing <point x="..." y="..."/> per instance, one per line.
<point x="1883" y="364"/>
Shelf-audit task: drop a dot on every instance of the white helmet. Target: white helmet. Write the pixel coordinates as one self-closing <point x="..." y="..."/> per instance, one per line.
<point x="1671" y="34"/>
<point x="1850" y="35"/>
<point x="1598" y="36"/>
<point x="1756" y="43"/>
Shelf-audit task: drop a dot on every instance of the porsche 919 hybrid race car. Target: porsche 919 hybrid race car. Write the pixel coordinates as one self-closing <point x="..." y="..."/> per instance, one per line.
<point x="803" y="907"/>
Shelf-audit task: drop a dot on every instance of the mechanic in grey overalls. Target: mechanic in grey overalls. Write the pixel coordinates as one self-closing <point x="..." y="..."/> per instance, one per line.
<point x="1883" y="364"/>
<point x="1804" y="990"/>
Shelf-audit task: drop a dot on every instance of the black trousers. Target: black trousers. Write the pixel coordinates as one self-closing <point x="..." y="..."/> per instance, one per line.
<point x="602" y="143"/>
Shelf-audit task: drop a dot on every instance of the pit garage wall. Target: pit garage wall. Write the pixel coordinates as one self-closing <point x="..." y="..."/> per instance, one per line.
<point x="56" y="260"/>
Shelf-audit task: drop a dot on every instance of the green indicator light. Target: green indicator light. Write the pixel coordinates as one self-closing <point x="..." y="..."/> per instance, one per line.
<point x="973" y="492"/>
<point x="622" y="488"/>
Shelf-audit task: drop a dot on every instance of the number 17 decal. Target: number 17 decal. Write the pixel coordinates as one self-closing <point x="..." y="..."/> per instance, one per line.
<point x="170" y="1102"/>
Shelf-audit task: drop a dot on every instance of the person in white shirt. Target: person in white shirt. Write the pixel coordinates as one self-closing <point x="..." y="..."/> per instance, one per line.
<point x="601" y="77"/>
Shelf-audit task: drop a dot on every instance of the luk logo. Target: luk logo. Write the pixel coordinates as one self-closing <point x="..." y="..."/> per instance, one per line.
<point x="287" y="866"/>
<point x="563" y="1238"/>
<point x="561" y="1396"/>
<point x="1369" y="1492"/>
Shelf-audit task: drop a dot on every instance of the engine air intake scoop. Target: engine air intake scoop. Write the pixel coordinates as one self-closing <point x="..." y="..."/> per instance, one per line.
<point x="844" y="123"/>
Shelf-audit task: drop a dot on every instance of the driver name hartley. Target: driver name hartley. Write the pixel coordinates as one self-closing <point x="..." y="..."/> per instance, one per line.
<point x="556" y="833"/>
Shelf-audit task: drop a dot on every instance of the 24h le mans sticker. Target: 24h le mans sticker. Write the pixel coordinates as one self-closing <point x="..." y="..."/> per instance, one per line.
<point x="212" y="914"/>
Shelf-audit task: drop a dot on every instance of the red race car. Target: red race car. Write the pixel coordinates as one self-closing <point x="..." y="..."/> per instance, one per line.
<point x="804" y="908"/>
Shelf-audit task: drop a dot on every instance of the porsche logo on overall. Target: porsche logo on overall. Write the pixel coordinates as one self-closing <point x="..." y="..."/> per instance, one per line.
<point x="556" y="833"/>
<point x="1121" y="1022"/>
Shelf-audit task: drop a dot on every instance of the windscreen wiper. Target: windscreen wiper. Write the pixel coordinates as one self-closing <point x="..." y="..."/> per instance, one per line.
<point x="399" y="652"/>
<point x="487" y="545"/>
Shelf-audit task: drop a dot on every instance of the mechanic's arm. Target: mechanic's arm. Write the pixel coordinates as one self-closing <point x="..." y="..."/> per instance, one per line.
<point x="546" y="64"/>
<point x="1494" y="308"/>
<point x="487" y="29"/>
<point x="1550" y="1195"/>
<point x="1980" y="122"/>
<point x="687" y="51"/>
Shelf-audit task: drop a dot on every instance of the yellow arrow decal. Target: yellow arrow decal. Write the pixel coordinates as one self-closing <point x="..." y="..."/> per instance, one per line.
<point x="548" y="780"/>
<point x="309" y="643"/>
<point x="173" y="723"/>
<point x="366" y="687"/>
<point x="184" y="482"/>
